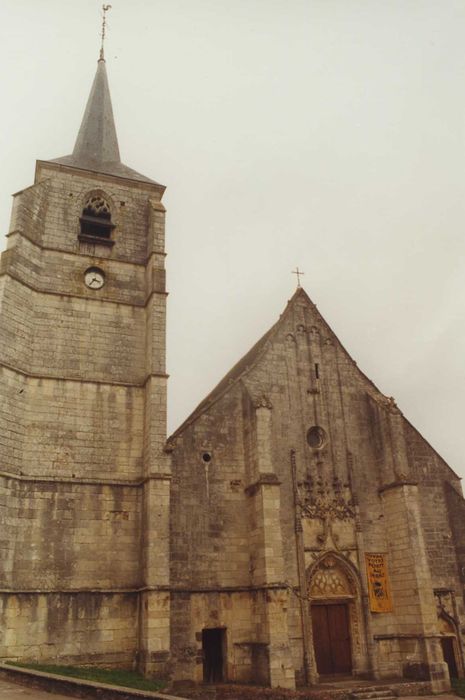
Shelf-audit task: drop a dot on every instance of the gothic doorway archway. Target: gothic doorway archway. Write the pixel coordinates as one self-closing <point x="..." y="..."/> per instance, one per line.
<point x="336" y="615"/>
<point x="450" y="647"/>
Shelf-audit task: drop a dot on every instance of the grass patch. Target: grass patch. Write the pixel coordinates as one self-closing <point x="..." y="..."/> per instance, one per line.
<point x="458" y="686"/>
<point x="111" y="676"/>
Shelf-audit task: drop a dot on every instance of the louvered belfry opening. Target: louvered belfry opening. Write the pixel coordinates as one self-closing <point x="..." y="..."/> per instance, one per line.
<point x="96" y="220"/>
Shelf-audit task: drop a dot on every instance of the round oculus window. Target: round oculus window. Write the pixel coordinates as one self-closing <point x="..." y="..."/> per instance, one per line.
<point x="316" y="437"/>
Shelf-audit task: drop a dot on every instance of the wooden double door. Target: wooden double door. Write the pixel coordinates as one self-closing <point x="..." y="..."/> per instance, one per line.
<point x="331" y="638"/>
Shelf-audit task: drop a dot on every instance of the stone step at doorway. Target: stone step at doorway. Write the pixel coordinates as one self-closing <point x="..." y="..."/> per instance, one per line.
<point x="374" y="692"/>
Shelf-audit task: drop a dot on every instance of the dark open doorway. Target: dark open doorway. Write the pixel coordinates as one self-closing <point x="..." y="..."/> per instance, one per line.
<point x="448" y="650"/>
<point x="214" y="648"/>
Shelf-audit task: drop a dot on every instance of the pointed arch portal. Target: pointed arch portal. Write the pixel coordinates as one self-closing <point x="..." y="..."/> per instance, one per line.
<point x="449" y="644"/>
<point x="335" y="611"/>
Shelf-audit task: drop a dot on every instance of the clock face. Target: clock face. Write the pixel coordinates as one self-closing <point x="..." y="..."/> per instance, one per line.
<point x="94" y="278"/>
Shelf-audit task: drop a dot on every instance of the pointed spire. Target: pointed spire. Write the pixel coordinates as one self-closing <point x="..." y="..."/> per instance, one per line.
<point x="97" y="142"/>
<point x="96" y="146"/>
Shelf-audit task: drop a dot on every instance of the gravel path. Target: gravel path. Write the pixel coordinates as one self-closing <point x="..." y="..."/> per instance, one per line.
<point x="12" y="691"/>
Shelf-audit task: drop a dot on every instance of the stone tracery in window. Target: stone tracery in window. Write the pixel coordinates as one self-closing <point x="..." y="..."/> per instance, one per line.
<point x="95" y="220"/>
<point x="97" y="206"/>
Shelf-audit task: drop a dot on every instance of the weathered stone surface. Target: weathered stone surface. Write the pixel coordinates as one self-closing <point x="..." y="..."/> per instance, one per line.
<point x="213" y="554"/>
<point x="372" y="484"/>
<point x="82" y="425"/>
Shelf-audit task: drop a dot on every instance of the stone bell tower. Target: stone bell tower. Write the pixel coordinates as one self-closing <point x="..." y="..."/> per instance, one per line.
<point x="84" y="480"/>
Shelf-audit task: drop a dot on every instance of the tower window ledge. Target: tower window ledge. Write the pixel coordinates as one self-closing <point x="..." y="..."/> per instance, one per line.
<point x="95" y="240"/>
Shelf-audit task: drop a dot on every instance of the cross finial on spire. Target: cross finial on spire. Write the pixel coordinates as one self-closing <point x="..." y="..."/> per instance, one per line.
<point x="105" y="9"/>
<point x="298" y="273"/>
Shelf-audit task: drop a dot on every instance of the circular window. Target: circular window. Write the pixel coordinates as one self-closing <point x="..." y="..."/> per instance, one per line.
<point x="316" y="437"/>
<point x="206" y="457"/>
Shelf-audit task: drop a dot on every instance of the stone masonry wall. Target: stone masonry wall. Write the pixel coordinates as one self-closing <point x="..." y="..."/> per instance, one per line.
<point x="89" y="430"/>
<point x="65" y="200"/>
<point x="74" y="367"/>
<point x="90" y="339"/>
<point x="69" y="536"/>
<point x="433" y="473"/>
<point x="456" y="511"/>
<point x="12" y="423"/>
<point x="311" y="381"/>
<point x="17" y="323"/>
<point x="95" y="629"/>
<point x="192" y="613"/>
<point x="209" y="533"/>
<point x="305" y="376"/>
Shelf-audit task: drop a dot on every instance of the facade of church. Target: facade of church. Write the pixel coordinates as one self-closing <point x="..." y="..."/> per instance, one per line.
<point x="295" y="526"/>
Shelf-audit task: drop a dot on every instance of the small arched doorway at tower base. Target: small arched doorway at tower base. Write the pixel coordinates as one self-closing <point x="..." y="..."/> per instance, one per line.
<point x="450" y="646"/>
<point x="336" y="614"/>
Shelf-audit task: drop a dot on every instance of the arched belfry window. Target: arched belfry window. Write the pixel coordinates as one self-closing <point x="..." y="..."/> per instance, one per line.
<point x="95" y="220"/>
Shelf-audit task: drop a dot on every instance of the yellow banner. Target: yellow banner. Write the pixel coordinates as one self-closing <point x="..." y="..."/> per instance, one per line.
<point x="378" y="583"/>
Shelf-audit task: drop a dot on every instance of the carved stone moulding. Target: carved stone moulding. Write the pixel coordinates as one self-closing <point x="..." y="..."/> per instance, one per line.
<point x="262" y="402"/>
<point x="326" y="500"/>
<point x="330" y="580"/>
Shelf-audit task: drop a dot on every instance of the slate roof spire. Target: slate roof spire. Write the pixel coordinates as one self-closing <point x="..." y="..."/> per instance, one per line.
<point x="97" y="140"/>
<point x="96" y="146"/>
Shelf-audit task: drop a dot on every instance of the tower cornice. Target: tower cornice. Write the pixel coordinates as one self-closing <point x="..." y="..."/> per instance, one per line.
<point x="130" y="181"/>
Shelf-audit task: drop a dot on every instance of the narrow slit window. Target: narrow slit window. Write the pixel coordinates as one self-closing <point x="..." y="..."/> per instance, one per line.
<point x="317" y="371"/>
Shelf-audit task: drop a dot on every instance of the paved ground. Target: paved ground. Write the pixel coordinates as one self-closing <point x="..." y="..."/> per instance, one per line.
<point x="12" y="691"/>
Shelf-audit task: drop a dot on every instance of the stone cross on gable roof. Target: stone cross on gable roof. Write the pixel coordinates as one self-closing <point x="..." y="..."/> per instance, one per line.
<point x="298" y="273"/>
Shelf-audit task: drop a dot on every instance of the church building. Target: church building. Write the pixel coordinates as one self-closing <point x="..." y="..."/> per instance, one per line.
<point x="296" y="526"/>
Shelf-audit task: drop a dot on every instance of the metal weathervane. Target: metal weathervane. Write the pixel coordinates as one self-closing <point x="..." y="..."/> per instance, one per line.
<point x="105" y="9"/>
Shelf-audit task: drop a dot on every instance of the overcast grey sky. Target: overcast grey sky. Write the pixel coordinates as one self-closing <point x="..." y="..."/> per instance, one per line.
<point x="327" y="134"/>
